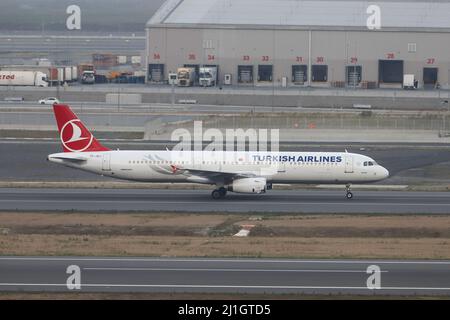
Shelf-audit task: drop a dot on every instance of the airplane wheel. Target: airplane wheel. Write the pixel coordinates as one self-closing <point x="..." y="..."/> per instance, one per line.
<point x="223" y="191"/>
<point x="216" y="194"/>
<point x="349" y="195"/>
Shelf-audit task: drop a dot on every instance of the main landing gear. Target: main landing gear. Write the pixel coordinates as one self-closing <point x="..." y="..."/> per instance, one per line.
<point x="219" y="193"/>
<point x="349" y="195"/>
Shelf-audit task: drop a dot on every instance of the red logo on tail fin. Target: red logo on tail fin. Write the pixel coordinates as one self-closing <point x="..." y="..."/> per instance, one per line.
<point x="75" y="137"/>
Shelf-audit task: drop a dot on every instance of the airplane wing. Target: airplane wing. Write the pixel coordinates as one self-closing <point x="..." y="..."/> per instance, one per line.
<point x="216" y="176"/>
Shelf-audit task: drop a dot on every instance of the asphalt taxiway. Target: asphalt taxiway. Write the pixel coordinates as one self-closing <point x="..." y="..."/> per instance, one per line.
<point x="274" y="201"/>
<point x="97" y="274"/>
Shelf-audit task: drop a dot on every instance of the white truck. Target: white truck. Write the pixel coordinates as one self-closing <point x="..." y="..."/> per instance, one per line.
<point x="88" y="77"/>
<point x="208" y="76"/>
<point x="67" y="74"/>
<point x="186" y="77"/>
<point x="409" y="82"/>
<point x="23" y="78"/>
<point x="74" y="73"/>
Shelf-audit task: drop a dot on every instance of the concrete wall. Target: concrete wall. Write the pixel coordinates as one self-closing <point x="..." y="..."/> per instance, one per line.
<point x="123" y="98"/>
<point x="230" y="47"/>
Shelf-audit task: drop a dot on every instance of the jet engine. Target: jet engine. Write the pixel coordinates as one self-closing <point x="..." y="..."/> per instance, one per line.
<point x="248" y="185"/>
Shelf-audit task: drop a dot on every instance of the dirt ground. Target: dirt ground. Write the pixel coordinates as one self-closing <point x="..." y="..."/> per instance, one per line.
<point x="199" y="235"/>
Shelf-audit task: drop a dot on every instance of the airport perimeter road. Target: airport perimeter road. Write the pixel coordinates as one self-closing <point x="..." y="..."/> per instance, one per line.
<point x="226" y="275"/>
<point x="53" y="43"/>
<point x="275" y="201"/>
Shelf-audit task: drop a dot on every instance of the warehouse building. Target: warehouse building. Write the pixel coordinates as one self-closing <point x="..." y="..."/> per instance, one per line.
<point x="303" y="43"/>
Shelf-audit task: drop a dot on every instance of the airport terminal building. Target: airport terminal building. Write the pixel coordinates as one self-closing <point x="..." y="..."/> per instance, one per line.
<point x="302" y="43"/>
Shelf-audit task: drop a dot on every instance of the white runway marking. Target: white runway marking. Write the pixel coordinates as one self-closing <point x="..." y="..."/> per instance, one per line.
<point x="227" y="270"/>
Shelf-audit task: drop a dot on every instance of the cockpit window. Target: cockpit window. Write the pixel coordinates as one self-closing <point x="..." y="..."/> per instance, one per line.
<point x="369" y="163"/>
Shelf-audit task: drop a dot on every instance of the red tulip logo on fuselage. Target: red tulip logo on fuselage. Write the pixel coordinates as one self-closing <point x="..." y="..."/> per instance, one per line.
<point x="75" y="137"/>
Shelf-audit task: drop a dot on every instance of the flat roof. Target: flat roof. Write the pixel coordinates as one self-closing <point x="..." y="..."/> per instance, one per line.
<point x="298" y="13"/>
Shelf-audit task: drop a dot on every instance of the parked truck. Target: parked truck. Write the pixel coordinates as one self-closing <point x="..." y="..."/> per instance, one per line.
<point x="88" y="77"/>
<point x="410" y="82"/>
<point x="67" y="74"/>
<point x="52" y="76"/>
<point x="208" y="76"/>
<point x="186" y="77"/>
<point x="23" y="78"/>
<point x="74" y="73"/>
<point x="86" y="73"/>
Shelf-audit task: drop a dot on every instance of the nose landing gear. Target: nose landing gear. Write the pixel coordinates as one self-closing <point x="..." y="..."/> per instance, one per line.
<point x="349" y="194"/>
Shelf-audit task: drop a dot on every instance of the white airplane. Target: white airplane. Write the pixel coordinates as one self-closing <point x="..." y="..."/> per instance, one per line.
<point x="240" y="172"/>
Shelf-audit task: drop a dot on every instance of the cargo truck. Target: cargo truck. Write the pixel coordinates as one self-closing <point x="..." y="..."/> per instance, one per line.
<point x="409" y="82"/>
<point x="52" y="76"/>
<point x="23" y="78"/>
<point x="67" y="74"/>
<point x="186" y="77"/>
<point x="208" y="76"/>
<point x="88" y="77"/>
<point x="74" y="73"/>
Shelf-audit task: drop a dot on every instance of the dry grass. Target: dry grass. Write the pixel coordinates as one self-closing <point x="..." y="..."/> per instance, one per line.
<point x="196" y="235"/>
<point x="172" y="246"/>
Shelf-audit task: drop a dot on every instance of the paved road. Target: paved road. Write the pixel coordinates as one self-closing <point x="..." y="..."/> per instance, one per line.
<point x="51" y="43"/>
<point x="226" y="275"/>
<point x="275" y="201"/>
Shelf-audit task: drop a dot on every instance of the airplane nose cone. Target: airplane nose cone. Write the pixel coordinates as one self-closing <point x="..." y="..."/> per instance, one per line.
<point x="385" y="173"/>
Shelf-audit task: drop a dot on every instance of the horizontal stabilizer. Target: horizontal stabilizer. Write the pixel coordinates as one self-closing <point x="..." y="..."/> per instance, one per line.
<point x="69" y="159"/>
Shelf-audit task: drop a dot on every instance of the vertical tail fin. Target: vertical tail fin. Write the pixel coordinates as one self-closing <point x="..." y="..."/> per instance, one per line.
<point x="75" y="137"/>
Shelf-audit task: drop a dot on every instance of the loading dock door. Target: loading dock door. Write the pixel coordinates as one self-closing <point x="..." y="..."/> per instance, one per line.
<point x="319" y="73"/>
<point x="299" y="74"/>
<point x="197" y="71"/>
<point x="106" y="163"/>
<point x="265" y="73"/>
<point x="245" y="74"/>
<point x="156" y="72"/>
<point x="212" y="66"/>
<point x="354" y="75"/>
<point x="430" y="76"/>
<point x="390" y="71"/>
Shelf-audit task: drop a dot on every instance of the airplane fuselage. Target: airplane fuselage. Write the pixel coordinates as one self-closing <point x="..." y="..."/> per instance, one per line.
<point x="183" y="166"/>
<point x="240" y="172"/>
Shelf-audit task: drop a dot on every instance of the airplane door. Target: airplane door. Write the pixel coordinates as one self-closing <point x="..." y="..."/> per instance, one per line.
<point x="106" y="162"/>
<point x="348" y="164"/>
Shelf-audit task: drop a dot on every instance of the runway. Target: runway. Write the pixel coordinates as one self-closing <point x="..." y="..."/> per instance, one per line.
<point x="397" y="158"/>
<point x="225" y="275"/>
<point x="275" y="201"/>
